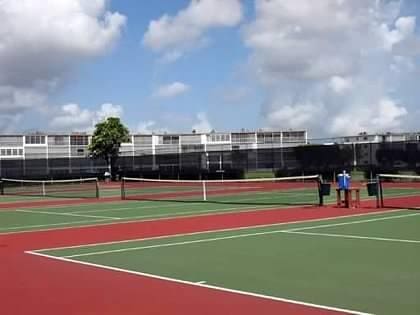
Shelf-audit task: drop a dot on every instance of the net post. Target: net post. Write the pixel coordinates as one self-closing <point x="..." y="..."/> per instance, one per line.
<point x="377" y="192"/>
<point x="97" y="188"/>
<point x="43" y="188"/>
<point x="380" y="197"/>
<point x="123" y="188"/>
<point x="204" y="190"/>
<point x="320" y="194"/>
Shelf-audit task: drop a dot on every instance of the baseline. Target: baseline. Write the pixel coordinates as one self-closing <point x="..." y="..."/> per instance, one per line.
<point x="203" y="285"/>
<point x="203" y="240"/>
<point x="69" y="214"/>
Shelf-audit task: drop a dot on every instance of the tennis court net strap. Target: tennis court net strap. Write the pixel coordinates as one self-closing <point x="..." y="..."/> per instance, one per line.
<point x="399" y="191"/>
<point x="68" y="188"/>
<point x="290" y="190"/>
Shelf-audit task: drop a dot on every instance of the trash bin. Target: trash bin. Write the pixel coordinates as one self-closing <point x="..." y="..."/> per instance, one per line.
<point x="325" y="189"/>
<point x="372" y="188"/>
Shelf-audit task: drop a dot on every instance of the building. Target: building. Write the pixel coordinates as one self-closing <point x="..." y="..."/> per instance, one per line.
<point x="75" y="145"/>
<point x="62" y="153"/>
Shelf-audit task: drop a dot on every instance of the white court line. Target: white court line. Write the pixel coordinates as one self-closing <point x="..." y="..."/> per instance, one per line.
<point x="209" y="231"/>
<point x="197" y="203"/>
<point x="48" y="225"/>
<point x="201" y="282"/>
<point x="204" y="240"/>
<point x="354" y="222"/>
<point x="202" y="285"/>
<point x="150" y="217"/>
<point x="213" y="239"/>
<point x="142" y="207"/>
<point x="154" y="217"/>
<point x="68" y="214"/>
<point x="370" y="238"/>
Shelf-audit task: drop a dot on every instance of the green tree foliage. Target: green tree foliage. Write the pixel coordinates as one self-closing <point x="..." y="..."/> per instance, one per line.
<point x="107" y="139"/>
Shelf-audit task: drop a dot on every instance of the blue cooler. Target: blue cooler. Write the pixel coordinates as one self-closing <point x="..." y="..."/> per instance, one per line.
<point x="343" y="181"/>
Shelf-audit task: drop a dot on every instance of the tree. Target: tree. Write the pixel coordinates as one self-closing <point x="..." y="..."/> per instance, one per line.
<point x="107" y="139"/>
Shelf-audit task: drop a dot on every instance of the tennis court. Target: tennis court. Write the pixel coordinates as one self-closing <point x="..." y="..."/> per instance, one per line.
<point x="151" y="200"/>
<point x="265" y="240"/>
<point x="367" y="264"/>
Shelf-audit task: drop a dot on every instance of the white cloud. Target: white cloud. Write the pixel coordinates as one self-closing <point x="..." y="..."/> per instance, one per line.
<point x="146" y="126"/>
<point x="109" y="110"/>
<point x="293" y="116"/>
<point x="72" y="117"/>
<point x="383" y="116"/>
<point x="41" y="42"/>
<point x="339" y="84"/>
<point x="402" y="64"/>
<point x="202" y="124"/>
<point x="8" y="122"/>
<point x="171" y="90"/>
<point x="173" y="35"/>
<point x="404" y="28"/>
<point x="149" y="127"/>
<point x="333" y="61"/>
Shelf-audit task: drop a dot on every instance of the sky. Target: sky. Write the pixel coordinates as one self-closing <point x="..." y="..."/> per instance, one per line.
<point x="331" y="67"/>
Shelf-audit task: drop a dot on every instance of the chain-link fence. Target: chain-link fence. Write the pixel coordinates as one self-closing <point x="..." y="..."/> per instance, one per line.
<point x="390" y="157"/>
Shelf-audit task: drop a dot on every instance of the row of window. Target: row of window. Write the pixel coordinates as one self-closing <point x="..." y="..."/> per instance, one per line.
<point x="58" y="140"/>
<point x="35" y="139"/>
<point x="272" y="137"/>
<point x="11" y="141"/>
<point x="243" y="137"/>
<point x="82" y="140"/>
<point x="222" y="137"/>
<point x="79" y="140"/>
<point x="169" y="139"/>
<point x="11" y="152"/>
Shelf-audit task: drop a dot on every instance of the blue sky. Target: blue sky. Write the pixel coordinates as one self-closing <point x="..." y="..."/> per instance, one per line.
<point x="333" y="67"/>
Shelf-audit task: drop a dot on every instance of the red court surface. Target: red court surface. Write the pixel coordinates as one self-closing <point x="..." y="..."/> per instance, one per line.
<point x="36" y="285"/>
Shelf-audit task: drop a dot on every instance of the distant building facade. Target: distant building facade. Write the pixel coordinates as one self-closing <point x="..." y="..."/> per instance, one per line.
<point x="75" y="145"/>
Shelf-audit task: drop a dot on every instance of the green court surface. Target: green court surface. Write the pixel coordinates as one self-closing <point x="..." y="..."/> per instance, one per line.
<point x="24" y="219"/>
<point x="32" y="196"/>
<point x="368" y="263"/>
<point x="53" y="217"/>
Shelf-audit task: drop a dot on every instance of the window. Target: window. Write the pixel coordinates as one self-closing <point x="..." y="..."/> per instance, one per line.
<point x="11" y="152"/>
<point x="143" y="139"/>
<point x="269" y="137"/>
<point x="11" y="141"/>
<point x="243" y="137"/>
<point x="277" y="137"/>
<point x="79" y="140"/>
<point x="218" y="138"/>
<point x="170" y="139"/>
<point x="58" y="140"/>
<point x="35" y="139"/>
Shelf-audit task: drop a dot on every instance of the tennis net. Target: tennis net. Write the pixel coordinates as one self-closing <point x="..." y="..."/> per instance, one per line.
<point x="68" y="188"/>
<point x="399" y="191"/>
<point x="299" y="190"/>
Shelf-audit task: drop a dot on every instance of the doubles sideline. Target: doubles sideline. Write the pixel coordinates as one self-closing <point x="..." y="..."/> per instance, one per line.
<point x="242" y="235"/>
